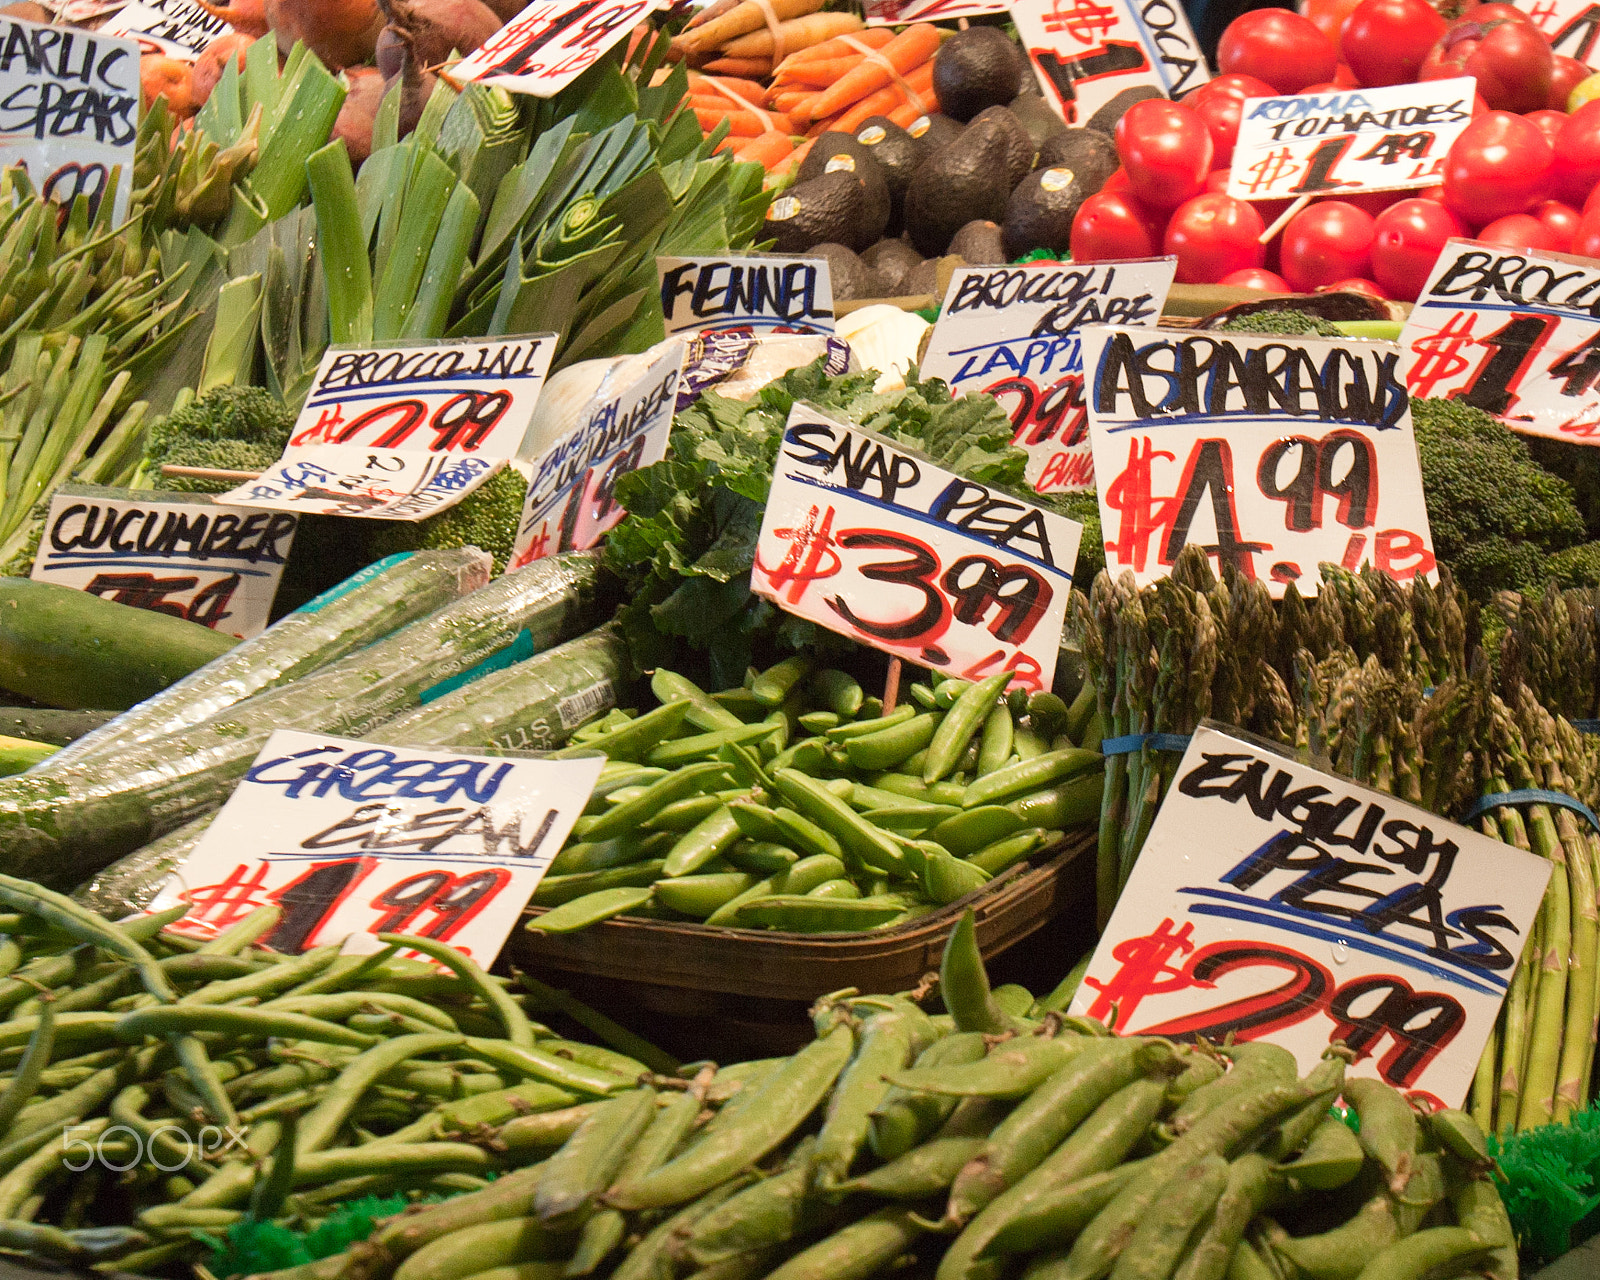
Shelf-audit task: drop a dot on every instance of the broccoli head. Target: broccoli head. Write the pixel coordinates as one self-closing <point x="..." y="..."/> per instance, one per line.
<point x="1577" y="566"/>
<point x="1085" y="509"/>
<point x="487" y="518"/>
<point x="225" y="429"/>
<point x="1496" y="515"/>
<point x="1286" y="321"/>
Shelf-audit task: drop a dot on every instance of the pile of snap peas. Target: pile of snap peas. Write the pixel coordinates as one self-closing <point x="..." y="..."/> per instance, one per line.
<point x="996" y="1139"/>
<point x="153" y="1086"/>
<point x="795" y="803"/>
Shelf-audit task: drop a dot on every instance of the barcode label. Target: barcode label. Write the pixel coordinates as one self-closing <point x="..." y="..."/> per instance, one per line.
<point x="576" y="708"/>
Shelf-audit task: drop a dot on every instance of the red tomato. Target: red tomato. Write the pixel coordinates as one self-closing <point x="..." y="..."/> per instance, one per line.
<point x="1112" y="224"/>
<point x="1221" y="113"/>
<point x="1561" y="220"/>
<point x="1499" y="165"/>
<point x="1217" y="180"/>
<point x="1517" y="231"/>
<point x="1430" y="193"/>
<point x="1565" y="74"/>
<point x="1356" y="285"/>
<point x="1284" y="49"/>
<point x="1118" y="181"/>
<point x="1591" y="201"/>
<point x="1166" y="149"/>
<point x="1509" y="56"/>
<point x="1329" y="16"/>
<point x="1586" y="243"/>
<point x="1235" y="86"/>
<point x="1324" y="242"/>
<point x="1256" y="278"/>
<point x="1212" y="236"/>
<point x="1550" y="123"/>
<point x="1406" y="240"/>
<point x="1578" y="154"/>
<point x="1374" y="202"/>
<point x="1385" y="41"/>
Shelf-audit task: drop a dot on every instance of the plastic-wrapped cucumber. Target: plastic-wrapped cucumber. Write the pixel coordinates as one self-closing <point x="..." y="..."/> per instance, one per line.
<point x="60" y="827"/>
<point x="533" y="704"/>
<point x="363" y="608"/>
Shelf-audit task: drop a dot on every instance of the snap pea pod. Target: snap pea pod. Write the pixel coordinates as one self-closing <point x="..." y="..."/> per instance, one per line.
<point x="905" y="1117"/>
<point x="777" y="682"/>
<point x="656" y="796"/>
<point x="1249" y="1183"/>
<point x="838" y="691"/>
<point x="681" y="751"/>
<point x="856" y="1251"/>
<point x="1254" y="1063"/>
<point x="894" y="745"/>
<point x="1066" y="807"/>
<point x="967" y="831"/>
<point x="1026" y="776"/>
<point x="631" y="740"/>
<point x="820" y="915"/>
<point x="1480" y="1209"/>
<point x="1459" y="1134"/>
<point x="965" y="717"/>
<point x="589" y="1160"/>
<point x="702" y="895"/>
<point x="1332" y="1158"/>
<point x="998" y="730"/>
<point x="1011" y="1069"/>
<point x="682" y="816"/>
<point x="815" y="802"/>
<point x="543" y="1132"/>
<point x="591" y="909"/>
<point x="1002" y="854"/>
<point x="798" y="832"/>
<point x="703" y="711"/>
<point x="1063" y="1211"/>
<point x="947" y="878"/>
<point x="799" y="879"/>
<point x="604" y="855"/>
<point x="908" y="816"/>
<point x="861" y="728"/>
<point x="523" y="1271"/>
<point x="499" y="1105"/>
<point x="1159" y="1241"/>
<point x="557" y="892"/>
<point x="916" y="789"/>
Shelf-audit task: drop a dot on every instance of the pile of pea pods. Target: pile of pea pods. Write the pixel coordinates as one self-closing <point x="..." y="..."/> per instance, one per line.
<point x="996" y="1140"/>
<point x="795" y="803"/>
<point x="153" y="1087"/>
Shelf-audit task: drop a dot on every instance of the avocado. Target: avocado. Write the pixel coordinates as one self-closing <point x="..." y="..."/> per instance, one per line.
<point x="826" y="209"/>
<point x="1037" y="117"/>
<point x="979" y="244"/>
<point x="1040" y="212"/>
<point x="898" y="155"/>
<point x="924" y="278"/>
<point x="833" y="152"/>
<point x="893" y="260"/>
<point x="851" y="278"/>
<point x="974" y="69"/>
<point x="1019" y="146"/>
<point x="1106" y="118"/>
<point x="1087" y="152"/>
<point x="934" y="133"/>
<point x="966" y="180"/>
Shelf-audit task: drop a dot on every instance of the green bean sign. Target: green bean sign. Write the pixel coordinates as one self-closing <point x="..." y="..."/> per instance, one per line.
<point x="354" y="840"/>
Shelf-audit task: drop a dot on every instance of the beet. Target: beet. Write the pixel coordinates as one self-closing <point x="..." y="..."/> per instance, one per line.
<point x="416" y="86"/>
<point x="343" y="33"/>
<point x="359" y="111"/>
<point x="438" y="28"/>
<point x="389" y="53"/>
<point x="213" y="61"/>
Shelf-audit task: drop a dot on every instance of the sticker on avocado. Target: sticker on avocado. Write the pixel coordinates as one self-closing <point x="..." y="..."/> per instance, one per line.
<point x="767" y="292"/>
<point x="1086" y="52"/>
<point x="1014" y="333"/>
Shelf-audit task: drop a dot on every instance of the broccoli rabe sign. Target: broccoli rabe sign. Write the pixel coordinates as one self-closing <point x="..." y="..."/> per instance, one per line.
<point x="1275" y="902"/>
<point x="1514" y="334"/>
<point x="1274" y="454"/>
<point x="402" y="432"/>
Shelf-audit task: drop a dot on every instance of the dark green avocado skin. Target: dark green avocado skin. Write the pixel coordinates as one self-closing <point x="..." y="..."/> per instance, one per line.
<point x="1040" y="212"/>
<point x="834" y="151"/>
<point x="965" y="181"/>
<point x="826" y="209"/>
<point x="974" y="69"/>
<point x="1020" y="150"/>
<point x="1090" y="154"/>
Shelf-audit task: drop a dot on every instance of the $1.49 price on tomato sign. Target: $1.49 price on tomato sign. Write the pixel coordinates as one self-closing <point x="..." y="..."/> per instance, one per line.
<point x="1274" y="454"/>
<point x="1308" y="144"/>
<point x="878" y="544"/>
<point x="402" y="432"/>
<point x="1013" y="333"/>
<point x="1086" y="52"/>
<point x="550" y="44"/>
<point x="352" y="840"/>
<point x="1514" y="334"/>
<point x="1274" y="902"/>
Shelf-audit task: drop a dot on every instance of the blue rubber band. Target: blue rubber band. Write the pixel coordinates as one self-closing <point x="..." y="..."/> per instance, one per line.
<point x="1586" y="726"/>
<point x="1533" y="796"/>
<point x="1131" y="742"/>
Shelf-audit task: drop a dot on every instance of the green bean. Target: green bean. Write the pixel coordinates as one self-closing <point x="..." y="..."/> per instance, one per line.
<point x="589" y="1160"/>
<point x="142" y="927"/>
<point x="1249" y="1183"/>
<point x="194" y="967"/>
<point x="203" y="1078"/>
<point x="604" y="1028"/>
<point x="251" y="929"/>
<point x="704" y="713"/>
<point x="964" y="984"/>
<point x="1436" y="1251"/>
<point x="856" y="1251"/>
<point x="25" y="1178"/>
<point x="1158" y="1243"/>
<point x="660" y="793"/>
<point x="482" y="1246"/>
<point x="10" y="955"/>
<point x="891" y="746"/>
<point x="1332" y="1158"/>
<point x="708" y="839"/>
<point x="506" y="1010"/>
<point x="175" y="1217"/>
<point x="46" y="971"/>
<point x="539" y="1065"/>
<point x="816" y="803"/>
<point x="876" y="724"/>
<point x="346" y="971"/>
<point x="165" y="1019"/>
<point x="1388" y="1127"/>
<point x="591" y="909"/>
<point x="35" y="1058"/>
<point x="1027" y="776"/>
<point x="267" y="982"/>
<point x="837" y="691"/>
<point x="322" y="1125"/>
<point x="340" y="1005"/>
<point x="496" y="1106"/>
<point x="783" y="1102"/>
<point x="83" y="925"/>
<point x="998" y="730"/>
<point x="965" y="717"/>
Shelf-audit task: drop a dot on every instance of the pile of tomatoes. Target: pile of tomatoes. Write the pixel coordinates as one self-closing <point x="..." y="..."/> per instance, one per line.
<point x="1524" y="174"/>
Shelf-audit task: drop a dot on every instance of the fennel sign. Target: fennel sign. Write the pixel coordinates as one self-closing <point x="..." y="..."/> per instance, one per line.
<point x="1014" y="333"/>
<point x="867" y="539"/>
<point x="352" y="840"/>
<point x="1398" y="931"/>
<point x="1318" y="144"/>
<point x="1272" y="453"/>
<point x="1516" y="334"/>
<point x="571" y="502"/>
<point x="755" y="293"/>
<point x="550" y="44"/>
<point x="401" y="432"/>
<point x="69" y="111"/>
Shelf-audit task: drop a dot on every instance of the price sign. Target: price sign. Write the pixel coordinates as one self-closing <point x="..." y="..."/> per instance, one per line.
<point x="759" y="291"/>
<point x="352" y="840"/>
<point x="866" y="539"/>
<point x="69" y="111"/>
<point x="1274" y="454"/>
<point x="1571" y="26"/>
<point x="178" y="28"/>
<point x="1274" y="902"/>
<point x="894" y="13"/>
<point x="1514" y="334"/>
<point x="1013" y="333"/>
<point x="404" y="431"/>
<point x="550" y="44"/>
<point x="189" y="558"/>
<point x="571" y="504"/>
<point x="1086" y="52"/>
<point x="1312" y="144"/>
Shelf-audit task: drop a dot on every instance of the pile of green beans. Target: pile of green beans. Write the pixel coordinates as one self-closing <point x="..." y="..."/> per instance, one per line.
<point x="153" y="1086"/>
<point x="996" y="1139"/>
<point x="795" y="803"/>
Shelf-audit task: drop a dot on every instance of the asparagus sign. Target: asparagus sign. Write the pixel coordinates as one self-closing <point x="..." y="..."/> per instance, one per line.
<point x="1275" y="902"/>
<point x="1274" y="454"/>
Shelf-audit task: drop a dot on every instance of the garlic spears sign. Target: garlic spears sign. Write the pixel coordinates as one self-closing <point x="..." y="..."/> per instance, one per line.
<point x="1272" y="453"/>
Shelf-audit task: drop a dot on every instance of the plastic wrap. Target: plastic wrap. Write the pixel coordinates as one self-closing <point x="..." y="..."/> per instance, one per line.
<point x="365" y="607"/>
<point x="130" y="883"/>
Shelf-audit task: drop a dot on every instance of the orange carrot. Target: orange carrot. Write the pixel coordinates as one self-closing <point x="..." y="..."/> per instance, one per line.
<point x="803" y="150"/>
<point x="909" y="114"/>
<point x="740" y="20"/>
<point x="749" y="90"/>
<point x="873" y="38"/>
<point x="766" y="150"/>
<point x="741" y="124"/>
<point x="739" y="66"/>
<point x="786" y="99"/>
<point x="888" y="98"/>
<point x="824" y="125"/>
<point x="769" y="121"/>
<point x="797" y="34"/>
<point x="798" y="107"/>
<point x="911" y="48"/>
<point x="729" y="144"/>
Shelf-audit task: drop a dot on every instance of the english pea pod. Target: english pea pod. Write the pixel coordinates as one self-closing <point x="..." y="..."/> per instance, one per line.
<point x="1436" y="1251"/>
<point x="887" y="1041"/>
<point x="770" y="1212"/>
<point x="1249" y="1183"/>
<point x="1012" y="1069"/>
<point x="964" y="982"/>
<point x="1159" y="1242"/>
<point x="1388" y="1127"/>
<point x="1331" y="1158"/>
<point x="856" y="1251"/>
<point x="1254" y="1063"/>
<point x="906" y="1116"/>
<point x="930" y="1167"/>
<point x="590" y="1158"/>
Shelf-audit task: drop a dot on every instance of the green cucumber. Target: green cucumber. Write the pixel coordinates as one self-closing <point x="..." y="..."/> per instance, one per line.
<point x="130" y="883"/>
<point x="67" y="648"/>
<point x="48" y="724"/>
<point x="60" y="826"/>
<point x="342" y="620"/>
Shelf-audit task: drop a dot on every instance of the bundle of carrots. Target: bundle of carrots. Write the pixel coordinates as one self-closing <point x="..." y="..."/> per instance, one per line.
<point x="844" y="81"/>
<point x="748" y="37"/>
<point x="753" y="132"/>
